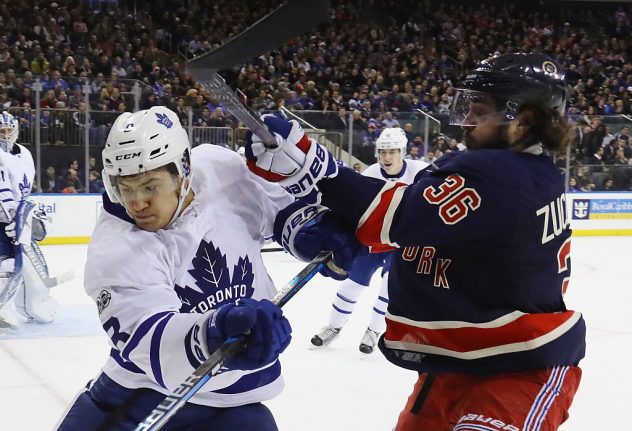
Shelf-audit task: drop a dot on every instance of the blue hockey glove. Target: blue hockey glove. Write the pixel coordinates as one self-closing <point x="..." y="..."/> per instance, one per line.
<point x="297" y="163"/>
<point x="268" y="331"/>
<point x="304" y="231"/>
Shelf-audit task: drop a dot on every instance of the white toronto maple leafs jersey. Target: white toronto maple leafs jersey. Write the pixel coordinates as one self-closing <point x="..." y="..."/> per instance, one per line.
<point x="150" y="287"/>
<point x="406" y="175"/>
<point x="16" y="176"/>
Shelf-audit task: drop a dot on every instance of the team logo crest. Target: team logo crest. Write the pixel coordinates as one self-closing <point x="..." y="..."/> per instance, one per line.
<point x="549" y="68"/>
<point x="213" y="283"/>
<point x="103" y="300"/>
<point x="581" y="209"/>
<point x="25" y="186"/>
<point x="164" y="120"/>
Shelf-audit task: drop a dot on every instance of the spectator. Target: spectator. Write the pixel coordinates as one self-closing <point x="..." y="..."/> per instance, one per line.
<point x="96" y="184"/>
<point x="573" y="185"/>
<point x="49" y="182"/>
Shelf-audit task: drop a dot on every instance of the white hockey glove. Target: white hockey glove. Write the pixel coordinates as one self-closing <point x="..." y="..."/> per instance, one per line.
<point x="297" y="163"/>
<point x="36" y="225"/>
<point x="8" y="216"/>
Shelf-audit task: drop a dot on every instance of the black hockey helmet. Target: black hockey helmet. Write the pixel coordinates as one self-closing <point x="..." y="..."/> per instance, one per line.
<point x="511" y="79"/>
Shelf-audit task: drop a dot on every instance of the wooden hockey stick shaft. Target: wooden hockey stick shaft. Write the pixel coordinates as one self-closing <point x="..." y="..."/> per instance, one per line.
<point x="176" y="400"/>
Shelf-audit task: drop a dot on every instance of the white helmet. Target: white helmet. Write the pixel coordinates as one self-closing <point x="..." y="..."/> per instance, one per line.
<point x="142" y="141"/>
<point x="392" y="138"/>
<point x="9" y="130"/>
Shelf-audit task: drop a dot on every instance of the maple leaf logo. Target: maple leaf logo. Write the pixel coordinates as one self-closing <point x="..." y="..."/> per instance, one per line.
<point x="25" y="186"/>
<point x="164" y="120"/>
<point x="213" y="284"/>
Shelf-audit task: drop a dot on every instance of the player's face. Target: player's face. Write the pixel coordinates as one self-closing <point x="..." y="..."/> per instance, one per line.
<point x="5" y="133"/>
<point x="150" y="199"/>
<point x="391" y="160"/>
<point x="481" y="125"/>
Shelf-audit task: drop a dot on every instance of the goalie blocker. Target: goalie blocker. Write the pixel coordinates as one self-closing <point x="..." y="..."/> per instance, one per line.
<point x="24" y="269"/>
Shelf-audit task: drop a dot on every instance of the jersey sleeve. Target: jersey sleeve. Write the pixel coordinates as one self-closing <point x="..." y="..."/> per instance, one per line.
<point x="229" y="174"/>
<point x="7" y="184"/>
<point x="130" y="280"/>
<point x="460" y="200"/>
<point x="272" y="199"/>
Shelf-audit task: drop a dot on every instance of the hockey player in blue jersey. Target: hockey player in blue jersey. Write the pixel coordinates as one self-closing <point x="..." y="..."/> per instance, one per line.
<point x="174" y="267"/>
<point x="482" y="254"/>
<point x="391" y="166"/>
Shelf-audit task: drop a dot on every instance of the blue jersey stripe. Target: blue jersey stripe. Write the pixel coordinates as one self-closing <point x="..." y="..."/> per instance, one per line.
<point x="253" y="381"/>
<point x="142" y="330"/>
<point x="154" y="352"/>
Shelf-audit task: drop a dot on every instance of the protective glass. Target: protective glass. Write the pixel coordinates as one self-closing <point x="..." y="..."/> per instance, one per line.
<point x="475" y="108"/>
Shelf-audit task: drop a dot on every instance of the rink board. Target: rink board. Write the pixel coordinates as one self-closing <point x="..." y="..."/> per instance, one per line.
<point x="590" y="214"/>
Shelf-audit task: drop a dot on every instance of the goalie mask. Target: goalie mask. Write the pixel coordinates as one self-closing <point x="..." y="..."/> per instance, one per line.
<point x="143" y="141"/>
<point x="499" y="85"/>
<point x="9" y="131"/>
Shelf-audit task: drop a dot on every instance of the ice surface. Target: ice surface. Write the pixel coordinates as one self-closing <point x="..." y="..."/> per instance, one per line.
<point x="335" y="389"/>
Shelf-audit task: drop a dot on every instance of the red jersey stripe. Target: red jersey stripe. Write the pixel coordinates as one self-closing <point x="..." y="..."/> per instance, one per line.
<point x="369" y="231"/>
<point x="525" y="332"/>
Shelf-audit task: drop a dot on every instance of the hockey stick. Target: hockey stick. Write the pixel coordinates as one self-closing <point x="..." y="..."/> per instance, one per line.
<point x="35" y="256"/>
<point x="289" y="20"/>
<point x="174" y="402"/>
<point x="273" y="30"/>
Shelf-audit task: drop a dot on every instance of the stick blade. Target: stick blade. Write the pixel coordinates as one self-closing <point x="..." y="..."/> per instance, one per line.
<point x="62" y="278"/>
<point x="287" y="21"/>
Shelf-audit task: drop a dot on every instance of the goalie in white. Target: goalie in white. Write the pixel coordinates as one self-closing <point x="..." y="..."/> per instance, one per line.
<point x="20" y="282"/>
<point x="390" y="149"/>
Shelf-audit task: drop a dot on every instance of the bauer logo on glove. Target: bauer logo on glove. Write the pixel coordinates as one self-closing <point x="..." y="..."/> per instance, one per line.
<point x="297" y="163"/>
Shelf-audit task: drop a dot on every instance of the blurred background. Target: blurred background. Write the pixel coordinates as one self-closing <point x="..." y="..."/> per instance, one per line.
<point x="68" y="68"/>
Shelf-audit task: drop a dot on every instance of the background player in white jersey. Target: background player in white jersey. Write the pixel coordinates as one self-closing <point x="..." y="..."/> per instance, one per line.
<point x="178" y="243"/>
<point x="391" y="166"/>
<point x="20" y="283"/>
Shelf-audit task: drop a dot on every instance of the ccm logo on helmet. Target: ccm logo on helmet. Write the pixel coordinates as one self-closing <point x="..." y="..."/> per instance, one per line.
<point x="127" y="156"/>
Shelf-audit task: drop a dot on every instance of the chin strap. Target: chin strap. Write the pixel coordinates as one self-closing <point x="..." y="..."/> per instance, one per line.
<point x="185" y="188"/>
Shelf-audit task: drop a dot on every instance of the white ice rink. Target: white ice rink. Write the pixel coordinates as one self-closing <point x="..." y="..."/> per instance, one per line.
<point x="338" y="389"/>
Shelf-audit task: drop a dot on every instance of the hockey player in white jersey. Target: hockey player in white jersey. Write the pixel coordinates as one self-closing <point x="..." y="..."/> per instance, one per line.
<point x="391" y="166"/>
<point x="21" y="286"/>
<point x="175" y="268"/>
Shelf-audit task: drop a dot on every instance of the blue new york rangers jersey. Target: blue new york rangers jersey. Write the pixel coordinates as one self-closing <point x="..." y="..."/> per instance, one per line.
<point x="482" y="261"/>
<point x="154" y="290"/>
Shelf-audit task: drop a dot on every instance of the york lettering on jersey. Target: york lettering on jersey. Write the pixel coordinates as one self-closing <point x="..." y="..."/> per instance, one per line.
<point x="554" y="219"/>
<point x="428" y="264"/>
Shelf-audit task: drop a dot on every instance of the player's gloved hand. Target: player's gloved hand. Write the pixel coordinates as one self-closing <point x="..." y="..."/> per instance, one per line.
<point x="269" y="332"/>
<point x="305" y="231"/>
<point x="297" y="163"/>
<point x="9" y="218"/>
<point x="35" y="225"/>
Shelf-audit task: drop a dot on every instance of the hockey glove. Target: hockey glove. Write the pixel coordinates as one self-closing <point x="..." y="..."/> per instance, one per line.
<point x="35" y="224"/>
<point x="268" y="331"/>
<point x="297" y="163"/>
<point x="304" y="231"/>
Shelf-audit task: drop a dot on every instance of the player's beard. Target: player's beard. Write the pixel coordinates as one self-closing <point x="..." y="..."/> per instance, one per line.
<point x="497" y="140"/>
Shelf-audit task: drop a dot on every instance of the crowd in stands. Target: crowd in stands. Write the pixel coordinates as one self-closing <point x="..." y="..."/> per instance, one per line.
<point x="371" y="62"/>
